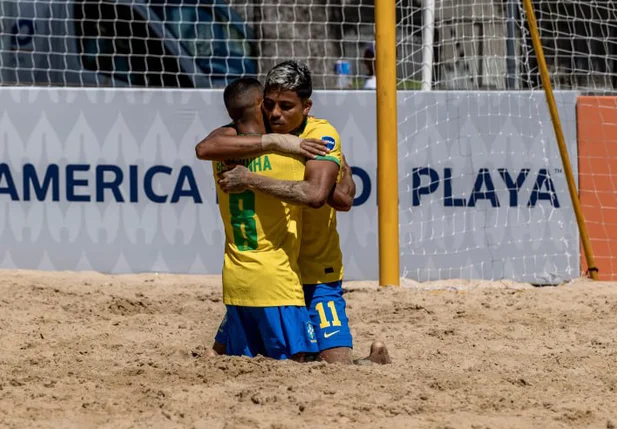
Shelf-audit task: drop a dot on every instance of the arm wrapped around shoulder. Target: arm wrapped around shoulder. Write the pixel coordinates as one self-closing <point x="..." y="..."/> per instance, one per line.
<point x="286" y="143"/>
<point x="294" y="145"/>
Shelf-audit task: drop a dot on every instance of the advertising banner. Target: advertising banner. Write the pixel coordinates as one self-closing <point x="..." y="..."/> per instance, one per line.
<point x="107" y="180"/>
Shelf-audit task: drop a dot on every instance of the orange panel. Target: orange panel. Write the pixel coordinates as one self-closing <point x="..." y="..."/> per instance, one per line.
<point x="597" y="157"/>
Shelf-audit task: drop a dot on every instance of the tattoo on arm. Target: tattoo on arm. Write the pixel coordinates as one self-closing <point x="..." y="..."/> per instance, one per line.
<point x="225" y="143"/>
<point x="291" y="191"/>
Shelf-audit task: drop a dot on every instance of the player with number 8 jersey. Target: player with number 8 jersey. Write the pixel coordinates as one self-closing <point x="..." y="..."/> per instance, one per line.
<point x="262" y="288"/>
<point x="262" y="232"/>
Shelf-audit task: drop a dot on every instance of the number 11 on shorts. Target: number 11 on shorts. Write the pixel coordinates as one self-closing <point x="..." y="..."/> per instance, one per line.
<point x="323" y="319"/>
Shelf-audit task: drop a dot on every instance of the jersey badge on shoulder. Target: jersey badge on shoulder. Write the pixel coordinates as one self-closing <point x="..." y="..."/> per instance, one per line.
<point x="330" y="142"/>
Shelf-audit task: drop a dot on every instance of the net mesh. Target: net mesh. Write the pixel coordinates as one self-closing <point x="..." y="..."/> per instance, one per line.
<point x="481" y="170"/>
<point x="181" y="43"/>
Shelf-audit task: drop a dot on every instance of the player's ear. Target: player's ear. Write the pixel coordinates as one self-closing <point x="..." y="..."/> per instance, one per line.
<point x="307" y="107"/>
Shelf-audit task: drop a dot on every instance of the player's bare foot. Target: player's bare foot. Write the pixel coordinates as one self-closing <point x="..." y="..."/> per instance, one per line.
<point x="209" y="353"/>
<point x="379" y="355"/>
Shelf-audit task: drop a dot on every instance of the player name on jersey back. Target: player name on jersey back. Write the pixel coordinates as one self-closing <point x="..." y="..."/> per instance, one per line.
<point x="256" y="165"/>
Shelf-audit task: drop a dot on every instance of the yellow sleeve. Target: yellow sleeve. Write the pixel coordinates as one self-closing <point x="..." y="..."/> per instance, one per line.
<point x="329" y="134"/>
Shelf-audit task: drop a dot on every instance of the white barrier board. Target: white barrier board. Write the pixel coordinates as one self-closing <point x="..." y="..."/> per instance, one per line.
<point x="107" y="180"/>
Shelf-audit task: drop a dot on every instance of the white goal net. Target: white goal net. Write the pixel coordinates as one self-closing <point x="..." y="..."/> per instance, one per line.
<point x="182" y="43"/>
<point x="483" y="191"/>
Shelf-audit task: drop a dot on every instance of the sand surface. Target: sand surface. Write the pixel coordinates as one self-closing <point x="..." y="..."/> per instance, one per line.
<point x="86" y="350"/>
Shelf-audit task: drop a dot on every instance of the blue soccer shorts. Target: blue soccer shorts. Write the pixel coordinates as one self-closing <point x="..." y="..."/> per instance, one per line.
<point x="326" y="307"/>
<point x="275" y="332"/>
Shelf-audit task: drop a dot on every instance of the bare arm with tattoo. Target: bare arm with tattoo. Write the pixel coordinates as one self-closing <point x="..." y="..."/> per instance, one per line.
<point x="313" y="191"/>
<point x="224" y="143"/>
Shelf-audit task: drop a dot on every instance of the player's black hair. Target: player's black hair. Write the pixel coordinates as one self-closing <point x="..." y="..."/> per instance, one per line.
<point x="291" y="76"/>
<point x="240" y="95"/>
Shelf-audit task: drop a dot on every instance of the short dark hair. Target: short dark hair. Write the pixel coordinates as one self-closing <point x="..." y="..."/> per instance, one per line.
<point x="239" y="96"/>
<point x="291" y="76"/>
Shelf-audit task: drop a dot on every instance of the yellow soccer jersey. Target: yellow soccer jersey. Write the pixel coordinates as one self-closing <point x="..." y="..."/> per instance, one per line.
<point x="321" y="259"/>
<point x="262" y="239"/>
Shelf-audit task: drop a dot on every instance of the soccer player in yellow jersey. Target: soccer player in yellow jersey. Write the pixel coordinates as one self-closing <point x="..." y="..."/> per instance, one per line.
<point x="262" y="290"/>
<point x="286" y="105"/>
